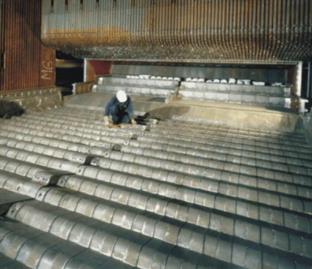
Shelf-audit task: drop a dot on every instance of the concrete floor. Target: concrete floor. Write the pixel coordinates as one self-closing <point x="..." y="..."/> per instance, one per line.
<point x="227" y="114"/>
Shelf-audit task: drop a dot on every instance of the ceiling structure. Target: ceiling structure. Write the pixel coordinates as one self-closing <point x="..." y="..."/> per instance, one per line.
<point x="228" y="31"/>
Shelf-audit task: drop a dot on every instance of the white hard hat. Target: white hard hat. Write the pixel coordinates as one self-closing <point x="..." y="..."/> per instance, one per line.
<point x="121" y="96"/>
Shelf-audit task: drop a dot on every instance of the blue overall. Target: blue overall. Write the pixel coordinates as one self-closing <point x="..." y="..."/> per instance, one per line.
<point x="120" y="112"/>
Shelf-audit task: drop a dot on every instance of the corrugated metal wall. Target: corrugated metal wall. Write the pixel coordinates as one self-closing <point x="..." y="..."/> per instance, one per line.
<point x="202" y="30"/>
<point x="26" y="63"/>
<point x="1" y="42"/>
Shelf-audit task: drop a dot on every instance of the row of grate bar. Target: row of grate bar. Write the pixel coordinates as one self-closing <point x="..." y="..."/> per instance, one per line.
<point x="170" y="195"/>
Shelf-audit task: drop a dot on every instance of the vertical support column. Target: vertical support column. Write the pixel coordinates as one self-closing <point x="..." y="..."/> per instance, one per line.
<point x="301" y="97"/>
<point x="309" y="84"/>
<point x="297" y="104"/>
<point x="2" y="56"/>
<point x="299" y="79"/>
<point x="85" y="70"/>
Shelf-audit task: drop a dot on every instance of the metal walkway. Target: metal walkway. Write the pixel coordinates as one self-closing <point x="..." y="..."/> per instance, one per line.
<point x="75" y="194"/>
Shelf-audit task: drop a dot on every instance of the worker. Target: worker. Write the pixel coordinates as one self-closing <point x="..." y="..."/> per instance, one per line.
<point x="120" y="109"/>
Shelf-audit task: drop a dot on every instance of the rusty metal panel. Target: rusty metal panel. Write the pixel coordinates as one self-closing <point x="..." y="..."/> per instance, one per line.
<point x="26" y="62"/>
<point x="1" y="42"/>
<point x="46" y="67"/>
<point x="215" y="31"/>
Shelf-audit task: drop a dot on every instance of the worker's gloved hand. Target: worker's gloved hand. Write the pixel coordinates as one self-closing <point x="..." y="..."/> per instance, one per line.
<point x="106" y="121"/>
<point x="133" y="122"/>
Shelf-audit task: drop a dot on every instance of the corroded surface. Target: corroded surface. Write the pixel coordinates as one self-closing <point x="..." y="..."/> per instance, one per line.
<point x="35" y="99"/>
<point x="172" y="195"/>
<point x="207" y="112"/>
<point x="83" y="87"/>
<point x="24" y="61"/>
<point x="182" y="30"/>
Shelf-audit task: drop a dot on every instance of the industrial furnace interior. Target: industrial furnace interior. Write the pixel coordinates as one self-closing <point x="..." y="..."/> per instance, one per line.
<point x="215" y="174"/>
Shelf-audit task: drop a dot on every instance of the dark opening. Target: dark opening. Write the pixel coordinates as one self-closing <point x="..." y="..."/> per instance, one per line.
<point x="307" y="84"/>
<point x="69" y="70"/>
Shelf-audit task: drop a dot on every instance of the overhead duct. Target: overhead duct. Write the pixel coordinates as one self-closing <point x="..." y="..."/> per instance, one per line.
<point x="270" y="31"/>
